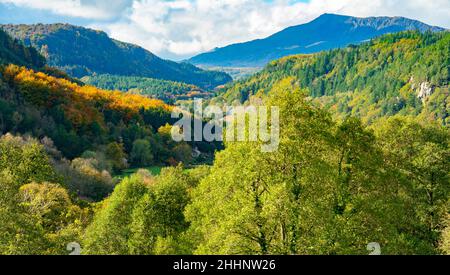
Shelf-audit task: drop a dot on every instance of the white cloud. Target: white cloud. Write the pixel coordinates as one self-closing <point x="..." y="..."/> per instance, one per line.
<point x="98" y="9"/>
<point x="179" y="28"/>
<point x="183" y="28"/>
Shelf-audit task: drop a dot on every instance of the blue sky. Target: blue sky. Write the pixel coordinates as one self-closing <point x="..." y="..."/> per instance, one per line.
<point x="177" y="29"/>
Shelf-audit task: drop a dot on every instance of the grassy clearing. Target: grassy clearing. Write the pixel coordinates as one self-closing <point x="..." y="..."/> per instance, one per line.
<point x="155" y="170"/>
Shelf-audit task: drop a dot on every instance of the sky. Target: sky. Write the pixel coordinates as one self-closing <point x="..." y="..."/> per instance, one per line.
<point x="178" y="29"/>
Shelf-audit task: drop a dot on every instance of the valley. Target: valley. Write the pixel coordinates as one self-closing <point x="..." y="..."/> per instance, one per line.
<point x="88" y="154"/>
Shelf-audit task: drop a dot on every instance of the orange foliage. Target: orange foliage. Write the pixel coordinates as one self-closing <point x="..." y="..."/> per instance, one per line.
<point x="81" y="104"/>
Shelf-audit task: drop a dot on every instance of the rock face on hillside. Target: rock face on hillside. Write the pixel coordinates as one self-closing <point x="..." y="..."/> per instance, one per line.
<point x="425" y="90"/>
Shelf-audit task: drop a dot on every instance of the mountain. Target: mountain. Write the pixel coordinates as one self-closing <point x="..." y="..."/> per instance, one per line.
<point x="326" y="32"/>
<point x="404" y="73"/>
<point x="80" y="51"/>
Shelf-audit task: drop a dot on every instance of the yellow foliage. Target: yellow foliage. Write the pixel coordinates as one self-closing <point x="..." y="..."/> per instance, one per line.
<point x="81" y="104"/>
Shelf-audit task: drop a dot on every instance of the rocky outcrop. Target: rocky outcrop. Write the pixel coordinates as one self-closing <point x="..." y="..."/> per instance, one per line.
<point x="425" y="90"/>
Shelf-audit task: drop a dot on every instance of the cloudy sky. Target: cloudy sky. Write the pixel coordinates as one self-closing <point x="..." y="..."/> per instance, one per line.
<point x="177" y="29"/>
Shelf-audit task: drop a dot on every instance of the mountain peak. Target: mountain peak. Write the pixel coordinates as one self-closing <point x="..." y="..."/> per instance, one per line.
<point x="331" y="15"/>
<point x="328" y="31"/>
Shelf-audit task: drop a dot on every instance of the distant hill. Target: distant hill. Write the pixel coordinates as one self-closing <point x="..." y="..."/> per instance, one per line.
<point x="80" y="51"/>
<point x="403" y="73"/>
<point x="326" y="32"/>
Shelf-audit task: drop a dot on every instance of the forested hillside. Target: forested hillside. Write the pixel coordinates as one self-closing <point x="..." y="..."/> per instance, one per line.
<point x="13" y="52"/>
<point x="80" y="52"/>
<point x="405" y="73"/>
<point x="89" y="133"/>
<point x="169" y="91"/>
<point x="82" y="115"/>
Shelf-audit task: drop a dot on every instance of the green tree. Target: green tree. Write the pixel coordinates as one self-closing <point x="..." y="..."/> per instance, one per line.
<point x="110" y="229"/>
<point x="418" y="156"/>
<point x="182" y="153"/>
<point x="142" y="217"/>
<point x="52" y="209"/>
<point x="445" y="238"/>
<point x="20" y="231"/>
<point x="115" y="153"/>
<point x="267" y="203"/>
<point x="25" y="160"/>
<point x="141" y="155"/>
<point x="33" y="213"/>
<point x="158" y="220"/>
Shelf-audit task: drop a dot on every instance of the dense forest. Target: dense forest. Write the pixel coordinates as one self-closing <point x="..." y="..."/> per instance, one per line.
<point x="330" y="188"/>
<point x="80" y="52"/>
<point x="168" y="91"/>
<point x="113" y="129"/>
<point x="333" y="185"/>
<point x="404" y="73"/>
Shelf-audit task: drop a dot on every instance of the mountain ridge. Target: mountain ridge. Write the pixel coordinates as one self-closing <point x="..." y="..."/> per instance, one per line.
<point x="82" y="51"/>
<point x="341" y="30"/>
